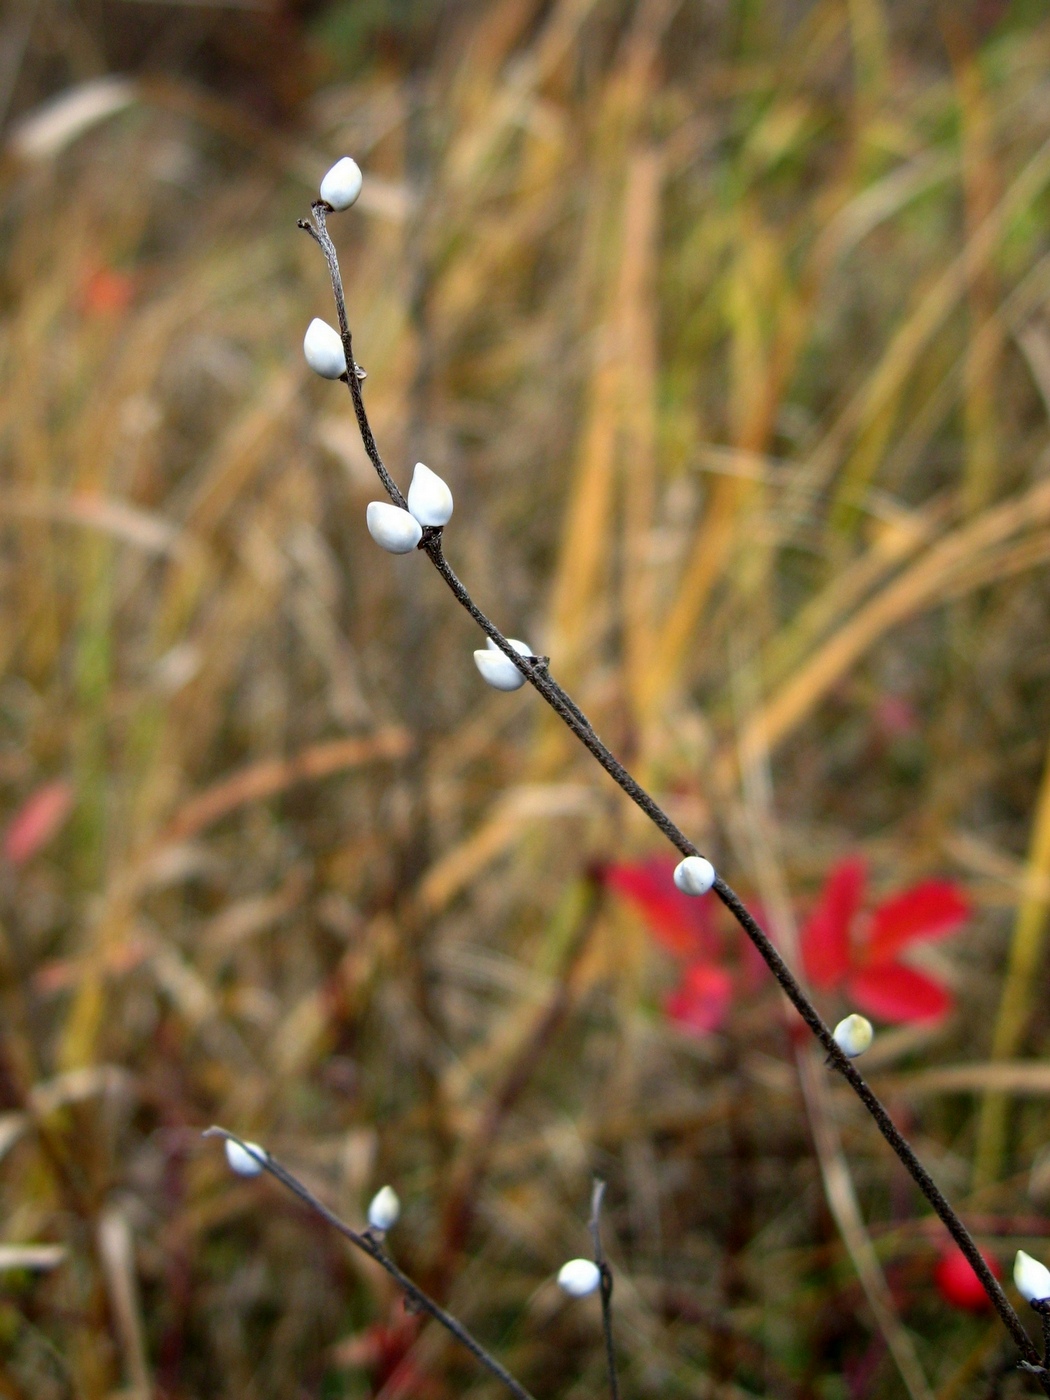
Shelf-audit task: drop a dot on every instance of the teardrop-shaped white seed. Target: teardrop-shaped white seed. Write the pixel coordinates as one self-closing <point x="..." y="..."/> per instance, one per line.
<point x="323" y="348"/>
<point x="242" y="1162"/>
<point x="694" y="875"/>
<point x="429" y="498"/>
<point x="579" y="1277"/>
<point x="392" y="528"/>
<point x="853" y="1035"/>
<point x="497" y="669"/>
<point x="1031" y="1277"/>
<point x="384" y="1209"/>
<point x="341" y="186"/>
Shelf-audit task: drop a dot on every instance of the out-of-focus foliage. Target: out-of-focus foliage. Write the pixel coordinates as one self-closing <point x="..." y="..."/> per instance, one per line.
<point x="727" y="326"/>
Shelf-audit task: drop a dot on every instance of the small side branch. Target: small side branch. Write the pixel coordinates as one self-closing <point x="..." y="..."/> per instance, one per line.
<point x="605" y="1286"/>
<point x="371" y="1243"/>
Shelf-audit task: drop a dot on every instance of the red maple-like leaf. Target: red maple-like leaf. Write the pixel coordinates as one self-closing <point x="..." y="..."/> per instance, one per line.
<point x="839" y="952"/>
<point x="700" y="1001"/>
<point x="826" y="941"/>
<point x="681" y="923"/>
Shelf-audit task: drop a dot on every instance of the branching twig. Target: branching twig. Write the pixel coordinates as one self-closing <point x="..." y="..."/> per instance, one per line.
<point x="371" y="1243"/>
<point x="605" y="1286"/>
<point x="535" y="671"/>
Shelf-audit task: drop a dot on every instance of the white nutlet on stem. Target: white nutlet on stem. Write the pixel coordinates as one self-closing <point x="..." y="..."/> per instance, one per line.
<point x="384" y="1209"/>
<point x="694" y="875"/>
<point x="1031" y="1277"/>
<point x="392" y="528"/>
<point x="497" y="669"/>
<point x="242" y="1161"/>
<point x="341" y="186"/>
<point x="579" y="1277"/>
<point x="429" y="498"/>
<point x="323" y="348"/>
<point x="853" y="1035"/>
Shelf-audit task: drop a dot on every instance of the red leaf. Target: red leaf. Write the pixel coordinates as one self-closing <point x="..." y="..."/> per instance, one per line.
<point x="106" y="292"/>
<point x="825" y="938"/>
<point x="38" y="819"/>
<point x="957" y="1282"/>
<point x="893" y="992"/>
<point x="702" y="998"/>
<point x="676" y="920"/>
<point x="930" y="910"/>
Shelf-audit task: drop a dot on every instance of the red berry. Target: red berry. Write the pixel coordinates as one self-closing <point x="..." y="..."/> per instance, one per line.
<point x="959" y="1285"/>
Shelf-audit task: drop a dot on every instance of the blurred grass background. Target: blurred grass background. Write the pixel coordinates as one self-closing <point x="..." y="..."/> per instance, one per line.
<point x="727" y="324"/>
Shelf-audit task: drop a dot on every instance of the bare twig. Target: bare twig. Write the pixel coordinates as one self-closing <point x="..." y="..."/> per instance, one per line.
<point x="605" y="1286"/>
<point x="371" y="1243"/>
<point x="535" y="670"/>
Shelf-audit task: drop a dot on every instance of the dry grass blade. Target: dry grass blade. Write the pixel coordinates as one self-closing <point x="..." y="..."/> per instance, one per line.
<point x="271" y="777"/>
<point x="1022" y="977"/>
<point x="117" y="1249"/>
<point x="921" y="585"/>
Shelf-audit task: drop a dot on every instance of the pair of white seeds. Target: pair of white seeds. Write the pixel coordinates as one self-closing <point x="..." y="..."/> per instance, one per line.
<point x="249" y="1159"/>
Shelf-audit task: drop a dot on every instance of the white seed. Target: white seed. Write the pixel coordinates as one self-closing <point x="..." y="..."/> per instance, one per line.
<point x="1031" y="1277"/>
<point x="853" y="1035"/>
<point x="323" y="348"/>
<point x="242" y="1162"/>
<point x="341" y="186"/>
<point x="497" y="669"/>
<point x="579" y="1277"/>
<point x="384" y="1209"/>
<point x="392" y="528"/>
<point x="429" y="498"/>
<point x="694" y="875"/>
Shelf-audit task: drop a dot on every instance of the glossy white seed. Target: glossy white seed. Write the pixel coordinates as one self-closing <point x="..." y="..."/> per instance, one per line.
<point x="694" y="875"/>
<point x="341" y="186"/>
<point x="853" y="1035"/>
<point x="392" y="528"/>
<point x="1031" y="1277"/>
<point x="579" y="1277"/>
<point x="323" y="349"/>
<point x="384" y="1209"/>
<point x="242" y="1162"/>
<point x="429" y="498"/>
<point x="498" y="670"/>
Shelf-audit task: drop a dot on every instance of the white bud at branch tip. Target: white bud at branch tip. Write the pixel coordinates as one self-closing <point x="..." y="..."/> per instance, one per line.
<point x="694" y="875"/>
<point x="392" y="528"/>
<point x="1031" y="1277"/>
<point x="242" y="1162"/>
<point x="384" y="1209"/>
<point x="323" y="348"/>
<point x="429" y="498"/>
<point x="853" y="1035"/>
<point x="579" y="1277"/>
<point x="341" y="186"/>
<point x="497" y="669"/>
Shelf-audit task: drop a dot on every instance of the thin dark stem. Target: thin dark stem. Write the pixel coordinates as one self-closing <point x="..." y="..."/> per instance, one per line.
<point x="536" y="672"/>
<point x="1041" y="1306"/>
<point x="605" y="1285"/>
<point x="372" y="1245"/>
